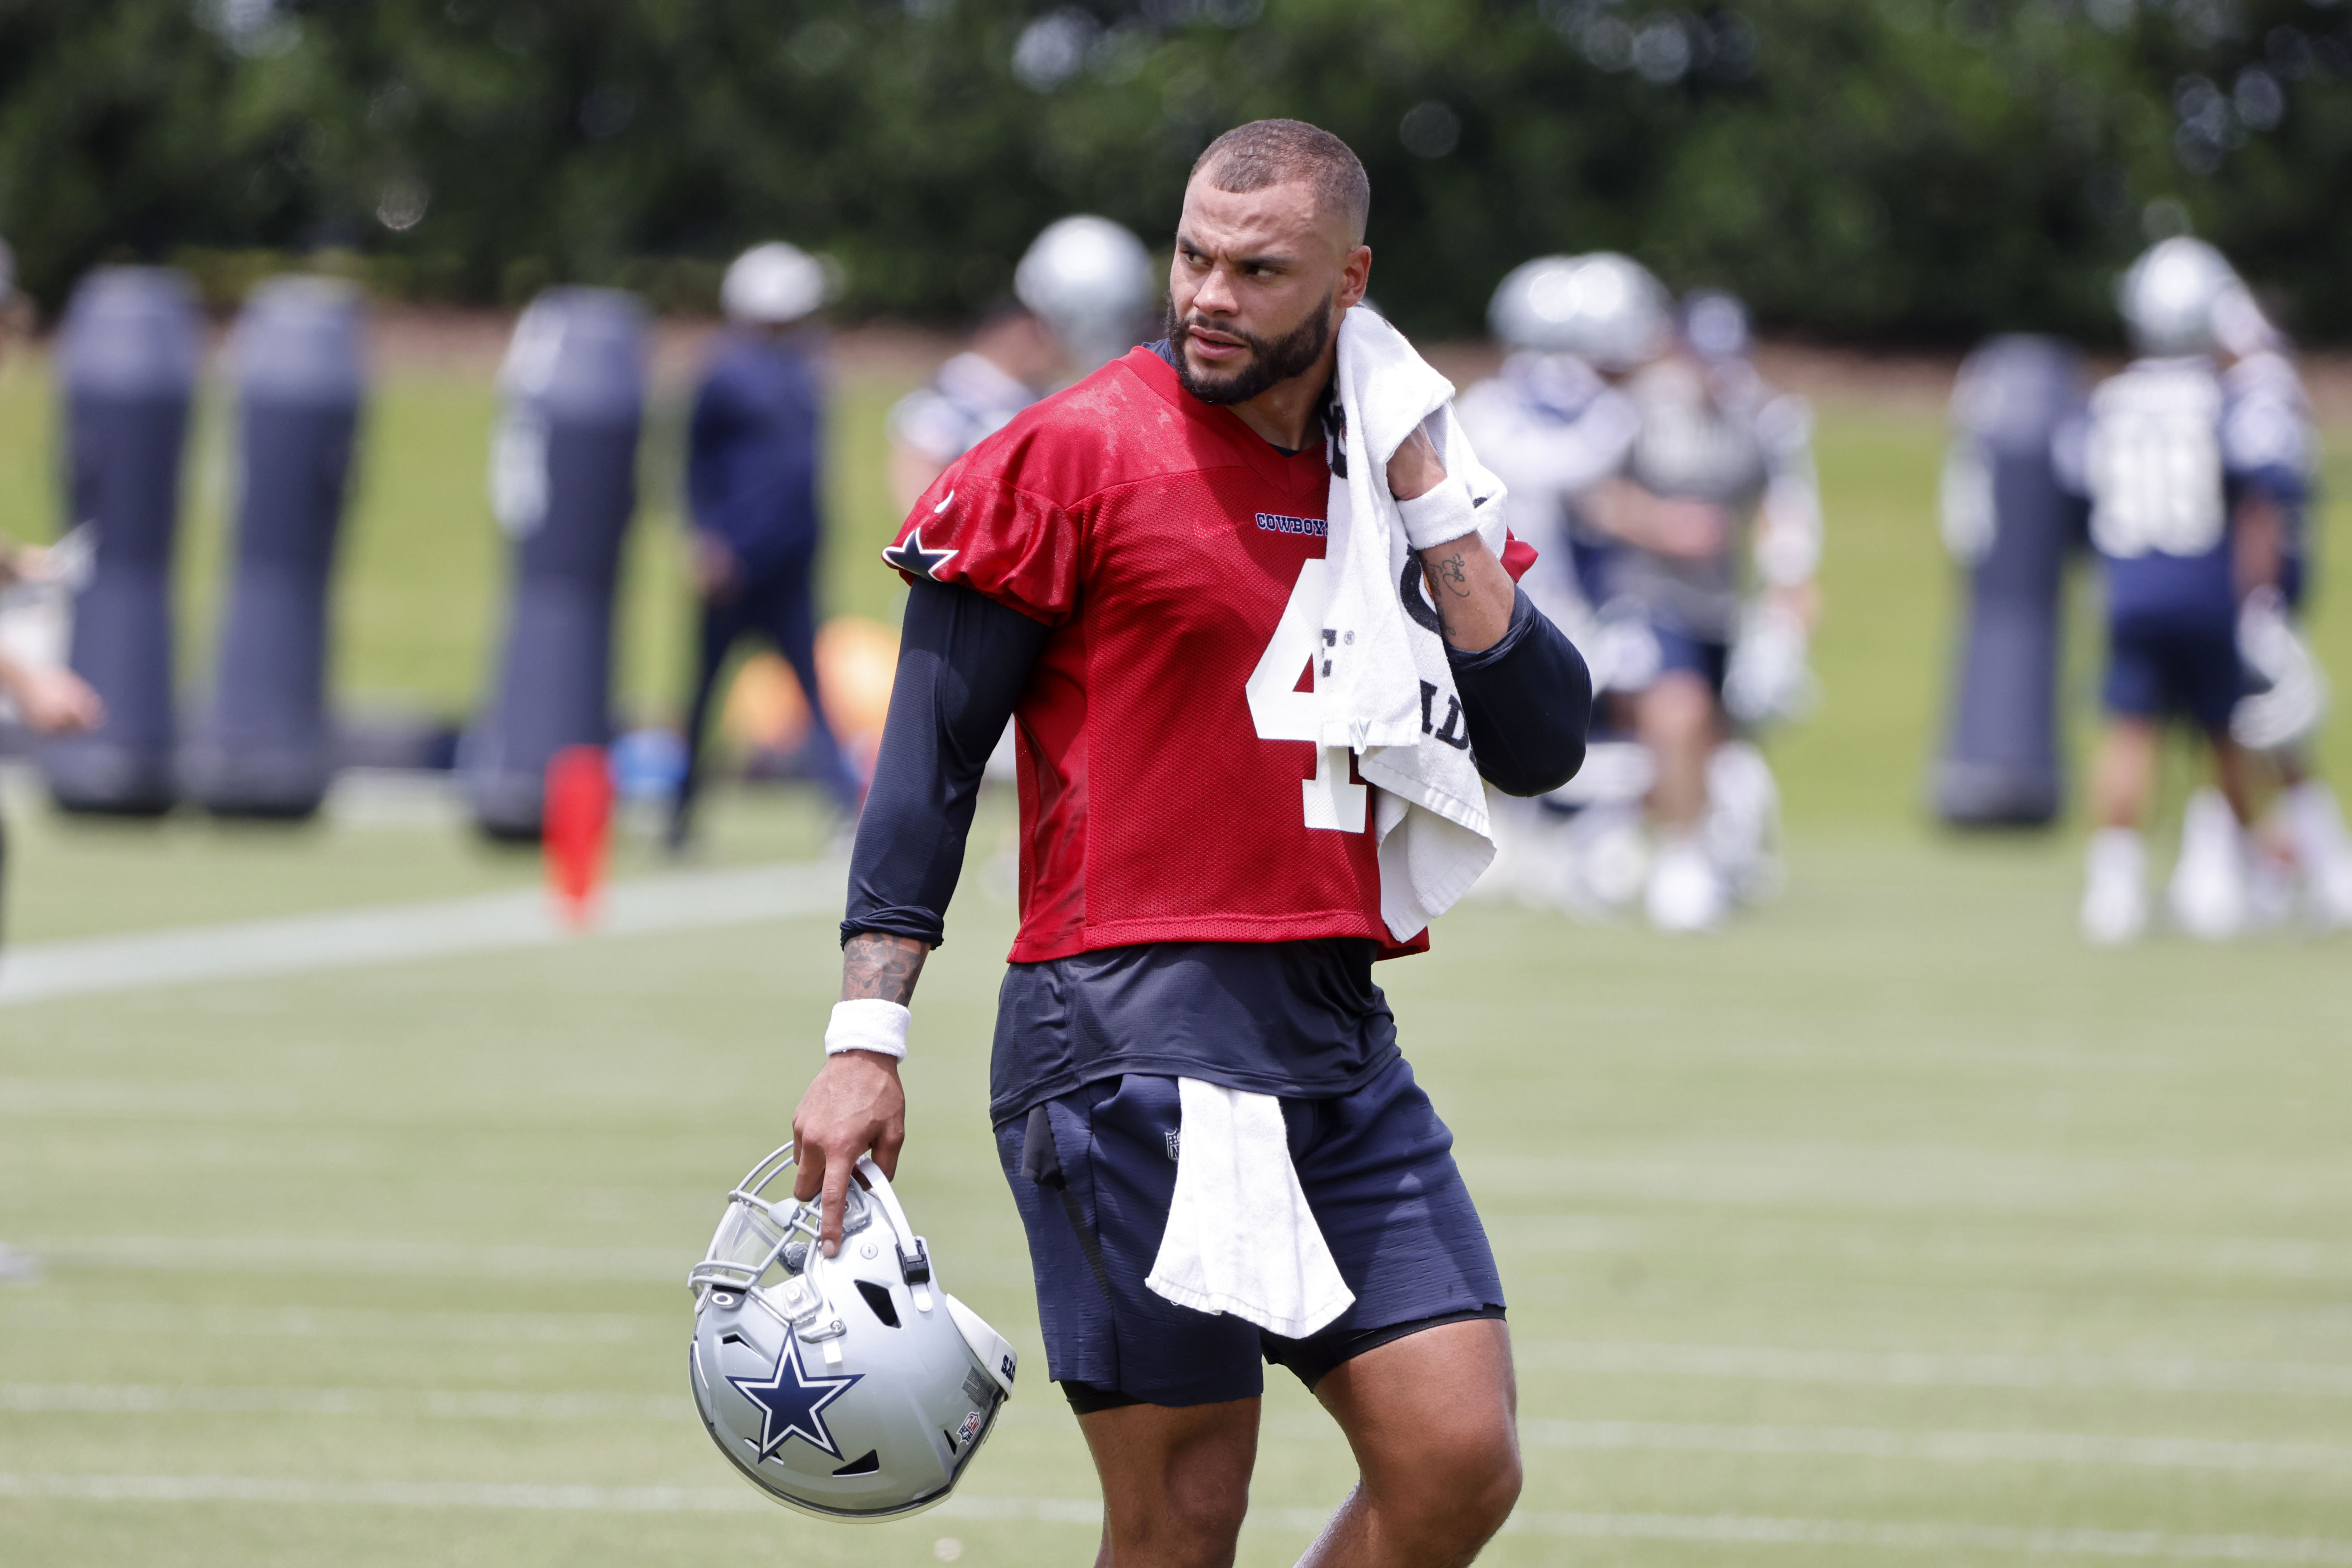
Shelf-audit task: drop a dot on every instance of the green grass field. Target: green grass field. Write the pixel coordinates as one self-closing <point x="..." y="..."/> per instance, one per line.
<point x="1891" y="1227"/>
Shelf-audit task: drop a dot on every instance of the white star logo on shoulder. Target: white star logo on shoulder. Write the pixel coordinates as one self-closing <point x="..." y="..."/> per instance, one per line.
<point x="913" y="558"/>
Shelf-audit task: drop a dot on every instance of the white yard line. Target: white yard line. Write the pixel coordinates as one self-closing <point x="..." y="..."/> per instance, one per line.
<point x="402" y="933"/>
<point x="373" y="1403"/>
<point x="1962" y="1448"/>
<point x="1836" y="1442"/>
<point x="1734" y="1529"/>
<point x="266" y="1255"/>
<point x="1931" y="1368"/>
<point x="33" y="1314"/>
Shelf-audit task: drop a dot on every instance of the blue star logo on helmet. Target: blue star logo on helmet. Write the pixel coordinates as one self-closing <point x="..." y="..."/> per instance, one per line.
<point x="792" y="1403"/>
<point x="912" y="557"/>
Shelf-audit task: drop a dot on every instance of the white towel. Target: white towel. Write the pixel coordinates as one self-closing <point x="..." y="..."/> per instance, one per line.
<point x="1240" y="1236"/>
<point x="1384" y="688"/>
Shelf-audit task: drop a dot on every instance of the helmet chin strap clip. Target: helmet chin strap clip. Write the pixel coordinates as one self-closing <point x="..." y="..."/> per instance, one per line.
<point x="915" y="1268"/>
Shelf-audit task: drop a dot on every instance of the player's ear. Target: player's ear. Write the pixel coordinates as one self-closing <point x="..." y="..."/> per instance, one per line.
<point x="1355" y="277"/>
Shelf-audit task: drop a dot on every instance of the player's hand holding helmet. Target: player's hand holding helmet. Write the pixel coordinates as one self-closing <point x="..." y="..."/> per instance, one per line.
<point x="850" y="1386"/>
<point x="2291" y="695"/>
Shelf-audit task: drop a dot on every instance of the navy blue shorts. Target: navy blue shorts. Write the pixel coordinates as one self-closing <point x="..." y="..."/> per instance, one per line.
<point x="2160" y="672"/>
<point x="1378" y="1170"/>
<point x="1698" y="656"/>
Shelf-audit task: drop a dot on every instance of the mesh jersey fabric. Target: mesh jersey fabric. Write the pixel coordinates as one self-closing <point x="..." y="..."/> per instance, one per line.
<point x="1159" y="537"/>
<point x="2168" y="450"/>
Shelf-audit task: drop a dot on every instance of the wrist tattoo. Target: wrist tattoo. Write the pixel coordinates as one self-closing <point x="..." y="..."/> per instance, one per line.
<point x="876" y="965"/>
<point x="1454" y="572"/>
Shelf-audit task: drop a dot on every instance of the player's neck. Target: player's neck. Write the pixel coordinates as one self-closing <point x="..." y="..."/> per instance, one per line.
<point x="1285" y="412"/>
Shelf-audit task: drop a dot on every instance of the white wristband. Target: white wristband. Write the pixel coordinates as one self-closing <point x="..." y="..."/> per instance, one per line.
<point x="868" y="1024"/>
<point x="1444" y="512"/>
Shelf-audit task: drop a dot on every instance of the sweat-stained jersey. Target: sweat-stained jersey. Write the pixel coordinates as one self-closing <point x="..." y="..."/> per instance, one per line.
<point x="1161" y="538"/>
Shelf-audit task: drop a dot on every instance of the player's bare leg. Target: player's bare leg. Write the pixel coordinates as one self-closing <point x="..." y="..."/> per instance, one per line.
<point x="2233" y="777"/>
<point x="1676" y="718"/>
<point x="2123" y="777"/>
<point x="1433" y="1419"/>
<point x="1175" y="1481"/>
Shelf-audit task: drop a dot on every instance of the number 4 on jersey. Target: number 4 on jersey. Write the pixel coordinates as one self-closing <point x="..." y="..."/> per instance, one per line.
<point x="1282" y="712"/>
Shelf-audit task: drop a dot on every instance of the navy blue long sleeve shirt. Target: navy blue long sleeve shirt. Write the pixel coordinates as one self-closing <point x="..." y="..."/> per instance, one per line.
<point x="752" y="453"/>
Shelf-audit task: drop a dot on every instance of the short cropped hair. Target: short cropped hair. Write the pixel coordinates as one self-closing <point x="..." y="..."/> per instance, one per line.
<point x="1278" y="151"/>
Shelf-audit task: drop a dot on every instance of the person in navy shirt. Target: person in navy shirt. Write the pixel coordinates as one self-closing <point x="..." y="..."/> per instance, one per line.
<point x="752" y="464"/>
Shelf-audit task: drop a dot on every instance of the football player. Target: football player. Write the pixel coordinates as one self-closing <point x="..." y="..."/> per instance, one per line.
<point x="2189" y="520"/>
<point x="48" y="698"/>
<point x="1110" y="569"/>
<point x="1079" y="290"/>
<point x="1552" y="428"/>
<point x="753" y="451"/>
<point x="2268" y="432"/>
<point x="1718" y="485"/>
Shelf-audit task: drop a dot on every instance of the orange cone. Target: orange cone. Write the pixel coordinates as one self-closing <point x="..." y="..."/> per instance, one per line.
<point x="578" y="813"/>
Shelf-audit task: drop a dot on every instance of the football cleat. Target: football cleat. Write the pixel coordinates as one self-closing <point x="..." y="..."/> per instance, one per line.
<point x="2209" y="896"/>
<point x="2324" y="851"/>
<point x="2114" y="891"/>
<point x="1687" y="892"/>
<point x="847" y="1388"/>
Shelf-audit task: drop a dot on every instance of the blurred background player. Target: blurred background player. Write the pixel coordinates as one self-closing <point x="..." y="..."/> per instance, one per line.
<point x="36" y="689"/>
<point x="1013" y="360"/>
<point x="2268" y="432"/>
<point x="2190" y="503"/>
<point x="1552" y="428"/>
<point x="1083" y="291"/>
<point x="1714" y="528"/>
<point x="752" y="480"/>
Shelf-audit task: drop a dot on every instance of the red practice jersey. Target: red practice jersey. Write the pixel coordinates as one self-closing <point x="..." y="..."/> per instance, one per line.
<point x="1161" y="539"/>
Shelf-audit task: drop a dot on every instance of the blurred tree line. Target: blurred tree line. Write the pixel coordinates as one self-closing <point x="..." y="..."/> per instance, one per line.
<point x="1924" y="170"/>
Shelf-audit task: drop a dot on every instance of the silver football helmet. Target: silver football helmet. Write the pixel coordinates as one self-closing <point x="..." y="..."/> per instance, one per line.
<point x="1092" y="282"/>
<point x="1605" y="308"/>
<point x="2169" y="297"/>
<point x="847" y="1387"/>
<point x="1715" y="324"/>
<point x="772" y="284"/>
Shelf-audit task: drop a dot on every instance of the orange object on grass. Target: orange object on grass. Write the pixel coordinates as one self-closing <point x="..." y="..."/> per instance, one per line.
<point x="578" y="814"/>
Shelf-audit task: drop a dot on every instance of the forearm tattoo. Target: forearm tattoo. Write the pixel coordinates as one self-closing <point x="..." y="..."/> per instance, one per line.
<point x="1447" y="576"/>
<point x="878" y="964"/>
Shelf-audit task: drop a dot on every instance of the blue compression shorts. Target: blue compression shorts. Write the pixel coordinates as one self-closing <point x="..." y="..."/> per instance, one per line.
<point x="1093" y="1170"/>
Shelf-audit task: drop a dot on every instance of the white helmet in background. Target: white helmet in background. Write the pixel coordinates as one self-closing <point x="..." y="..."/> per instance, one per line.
<point x="772" y="284"/>
<point x="1715" y="325"/>
<point x="2170" y="295"/>
<point x="1604" y="308"/>
<point x="847" y="1387"/>
<point x="1091" y="281"/>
